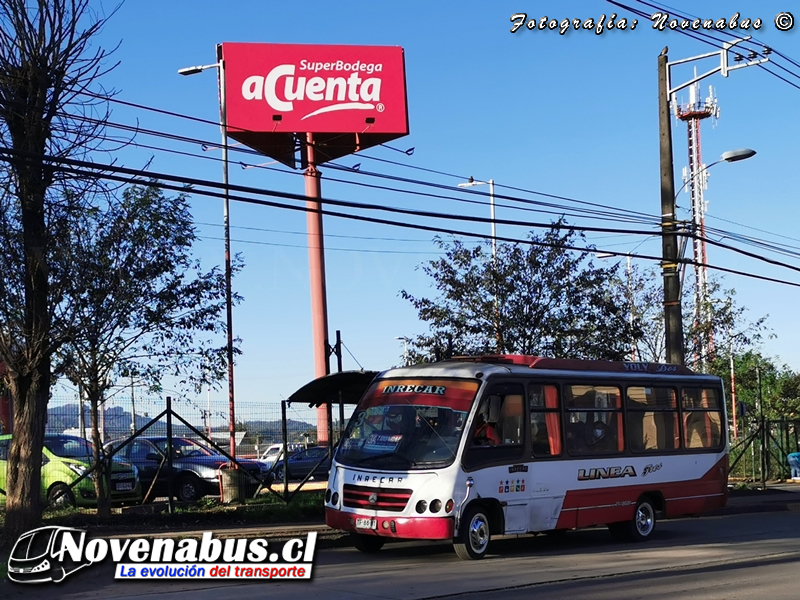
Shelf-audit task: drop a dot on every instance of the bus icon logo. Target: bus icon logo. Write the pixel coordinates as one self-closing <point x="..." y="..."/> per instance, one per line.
<point x="37" y="556"/>
<point x="373" y="498"/>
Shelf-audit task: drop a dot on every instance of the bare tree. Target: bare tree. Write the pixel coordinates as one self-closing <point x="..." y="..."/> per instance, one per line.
<point x="51" y="108"/>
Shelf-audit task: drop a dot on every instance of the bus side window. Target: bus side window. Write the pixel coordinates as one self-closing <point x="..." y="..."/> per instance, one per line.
<point x="702" y="418"/>
<point x="594" y="419"/>
<point x="511" y="424"/>
<point x="545" y="420"/>
<point x="500" y="418"/>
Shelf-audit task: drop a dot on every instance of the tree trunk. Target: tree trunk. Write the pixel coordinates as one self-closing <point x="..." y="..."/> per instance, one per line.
<point x="30" y="379"/>
<point x="100" y="487"/>
<point x="23" y="484"/>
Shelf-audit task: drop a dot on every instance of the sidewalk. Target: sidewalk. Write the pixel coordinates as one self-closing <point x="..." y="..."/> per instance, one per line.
<point x="776" y="497"/>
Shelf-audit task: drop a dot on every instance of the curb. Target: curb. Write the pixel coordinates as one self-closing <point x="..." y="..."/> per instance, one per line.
<point x="761" y="507"/>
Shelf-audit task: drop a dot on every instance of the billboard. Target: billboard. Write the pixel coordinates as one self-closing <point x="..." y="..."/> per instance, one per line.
<point x="349" y="97"/>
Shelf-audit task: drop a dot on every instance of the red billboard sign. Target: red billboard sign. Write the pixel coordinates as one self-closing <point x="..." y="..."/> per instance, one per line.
<point x="295" y="88"/>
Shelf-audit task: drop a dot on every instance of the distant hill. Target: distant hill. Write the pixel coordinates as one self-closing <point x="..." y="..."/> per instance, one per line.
<point x="118" y="424"/>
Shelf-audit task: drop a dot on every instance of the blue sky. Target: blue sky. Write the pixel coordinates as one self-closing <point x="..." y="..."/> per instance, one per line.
<point x="572" y="115"/>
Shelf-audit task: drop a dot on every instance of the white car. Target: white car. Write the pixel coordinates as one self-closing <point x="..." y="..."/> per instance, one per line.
<point x="274" y="453"/>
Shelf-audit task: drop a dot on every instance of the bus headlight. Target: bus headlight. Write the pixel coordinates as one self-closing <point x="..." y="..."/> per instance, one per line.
<point x="421" y="506"/>
<point x="448" y="507"/>
<point x="436" y="506"/>
<point x="327" y="495"/>
<point x="335" y="499"/>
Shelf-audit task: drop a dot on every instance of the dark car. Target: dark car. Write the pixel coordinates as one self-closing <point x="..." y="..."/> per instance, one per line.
<point x="302" y="463"/>
<point x="195" y="467"/>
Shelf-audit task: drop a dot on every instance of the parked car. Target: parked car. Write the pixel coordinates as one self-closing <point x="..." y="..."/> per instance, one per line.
<point x="64" y="459"/>
<point x="275" y="451"/>
<point x="194" y="466"/>
<point x="302" y="463"/>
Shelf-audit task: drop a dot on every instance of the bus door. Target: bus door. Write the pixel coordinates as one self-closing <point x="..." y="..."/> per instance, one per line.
<point x="547" y="473"/>
<point x="497" y="452"/>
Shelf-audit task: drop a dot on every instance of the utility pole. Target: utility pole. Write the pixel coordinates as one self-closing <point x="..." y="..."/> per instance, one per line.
<point x="673" y="318"/>
<point x="763" y="431"/>
<point x="133" y="408"/>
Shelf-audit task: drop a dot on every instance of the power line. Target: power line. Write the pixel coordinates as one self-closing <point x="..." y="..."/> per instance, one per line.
<point x="125" y="175"/>
<point x="406" y="180"/>
<point x="327" y="248"/>
<point x="416" y="182"/>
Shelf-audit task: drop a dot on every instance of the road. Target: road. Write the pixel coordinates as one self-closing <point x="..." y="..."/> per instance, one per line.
<point x="730" y="557"/>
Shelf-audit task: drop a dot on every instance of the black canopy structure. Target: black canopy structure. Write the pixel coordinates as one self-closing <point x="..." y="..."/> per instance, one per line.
<point x="346" y="387"/>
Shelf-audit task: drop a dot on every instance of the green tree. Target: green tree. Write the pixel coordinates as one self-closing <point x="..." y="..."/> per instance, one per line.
<point x="728" y="328"/>
<point x="537" y="298"/>
<point x="49" y="70"/>
<point x="779" y="389"/>
<point x="142" y="307"/>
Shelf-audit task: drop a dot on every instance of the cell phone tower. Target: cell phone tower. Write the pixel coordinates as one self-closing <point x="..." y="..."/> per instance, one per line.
<point x="695" y="177"/>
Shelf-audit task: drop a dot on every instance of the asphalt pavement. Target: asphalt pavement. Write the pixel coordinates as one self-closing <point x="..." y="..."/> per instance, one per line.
<point x="776" y="497"/>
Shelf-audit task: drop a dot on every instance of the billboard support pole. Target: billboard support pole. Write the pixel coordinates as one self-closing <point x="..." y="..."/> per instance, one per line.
<point x="316" y="260"/>
<point x="223" y="125"/>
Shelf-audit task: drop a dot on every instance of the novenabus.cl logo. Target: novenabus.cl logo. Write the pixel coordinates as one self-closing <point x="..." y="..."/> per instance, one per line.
<point x="38" y="556"/>
<point x="49" y="554"/>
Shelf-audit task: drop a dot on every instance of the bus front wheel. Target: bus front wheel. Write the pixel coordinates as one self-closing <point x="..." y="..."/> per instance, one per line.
<point x="638" y="529"/>
<point x="474" y="534"/>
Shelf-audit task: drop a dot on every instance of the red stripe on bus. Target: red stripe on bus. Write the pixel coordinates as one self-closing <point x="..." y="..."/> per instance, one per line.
<point x="599" y="506"/>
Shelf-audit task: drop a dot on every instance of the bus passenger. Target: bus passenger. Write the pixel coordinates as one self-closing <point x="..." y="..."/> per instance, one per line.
<point x="601" y="439"/>
<point x="486" y="433"/>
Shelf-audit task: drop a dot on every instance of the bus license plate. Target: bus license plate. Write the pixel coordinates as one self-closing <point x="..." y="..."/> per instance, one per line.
<point x="125" y="486"/>
<point x="366" y="523"/>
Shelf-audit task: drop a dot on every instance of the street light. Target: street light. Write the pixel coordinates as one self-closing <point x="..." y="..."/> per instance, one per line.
<point x="472" y="182"/>
<point x="629" y="272"/>
<point x="405" y="348"/>
<point x="729" y="156"/>
<point x="698" y="234"/>
<point x="223" y="126"/>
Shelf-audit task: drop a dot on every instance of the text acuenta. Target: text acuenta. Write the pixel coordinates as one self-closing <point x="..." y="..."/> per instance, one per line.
<point x="606" y="473"/>
<point x="352" y="92"/>
<point x="437" y="390"/>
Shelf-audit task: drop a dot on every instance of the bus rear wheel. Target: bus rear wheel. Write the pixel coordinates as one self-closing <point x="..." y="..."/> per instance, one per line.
<point x="474" y="534"/>
<point x="367" y="543"/>
<point x="638" y="529"/>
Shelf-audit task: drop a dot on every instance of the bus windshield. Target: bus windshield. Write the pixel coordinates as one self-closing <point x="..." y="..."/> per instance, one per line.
<point x="408" y="424"/>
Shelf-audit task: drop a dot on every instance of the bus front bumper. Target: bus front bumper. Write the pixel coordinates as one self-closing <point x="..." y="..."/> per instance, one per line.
<point x="412" y="528"/>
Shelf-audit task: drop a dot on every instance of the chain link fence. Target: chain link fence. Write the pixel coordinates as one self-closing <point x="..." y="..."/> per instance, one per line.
<point x="140" y="428"/>
<point x="760" y="453"/>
